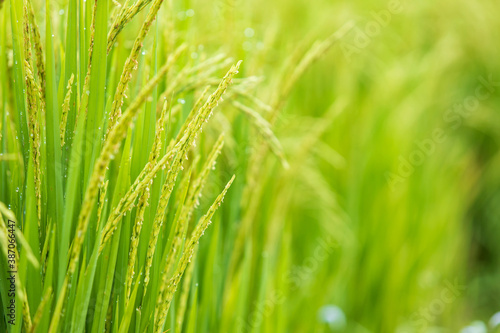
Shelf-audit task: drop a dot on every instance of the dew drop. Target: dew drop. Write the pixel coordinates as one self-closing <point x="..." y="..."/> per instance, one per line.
<point x="249" y="32"/>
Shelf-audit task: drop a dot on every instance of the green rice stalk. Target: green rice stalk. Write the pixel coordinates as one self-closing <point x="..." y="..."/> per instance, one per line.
<point x="194" y="195"/>
<point x="126" y="203"/>
<point x="111" y="145"/>
<point x="255" y="100"/>
<point x="27" y="324"/>
<point x="134" y="241"/>
<point x="121" y="20"/>
<point x="143" y="180"/>
<point x="264" y="129"/>
<point x="312" y="140"/>
<point x="56" y="315"/>
<point x="39" y="311"/>
<point x="102" y="200"/>
<point x="143" y="202"/>
<point x="191" y="114"/>
<point x="179" y="234"/>
<point x="33" y="124"/>
<point x="181" y="148"/>
<point x="202" y="78"/>
<point x="38" y="48"/>
<point x="209" y="165"/>
<point x="131" y="65"/>
<point x="117" y="10"/>
<point x="169" y="286"/>
<point x="84" y="102"/>
<point x="250" y="199"/>
<point x="315" y="52"/>
<point x="45" y="249"/>
<point x="162" y="206"/>
<point x="191" y="203"/>
<point x="187" y="71"/>
<point x="186" y="287"/>
<point x="65" y="109"/>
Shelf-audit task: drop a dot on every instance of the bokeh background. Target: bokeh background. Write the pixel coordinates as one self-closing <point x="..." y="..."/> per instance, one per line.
<point x="405" y="170"/>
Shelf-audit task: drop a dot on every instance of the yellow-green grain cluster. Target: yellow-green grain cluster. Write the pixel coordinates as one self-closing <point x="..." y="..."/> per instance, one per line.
<point x="169" y="284"/>
<point x="143" y="201"/>
<point x="131" y="64"/>
<point x="65" y="109"/>
<point x="181" y="149"/>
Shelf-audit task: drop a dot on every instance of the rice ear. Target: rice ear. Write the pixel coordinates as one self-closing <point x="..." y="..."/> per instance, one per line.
<point x="131" y="63"/>
<point x="264" y="129"/>
<point x="126" y="14"/>
<point x="65" y="109"/>
<point x="186" y="287"/>
<point x="35" y="33"/>
<point x="143" y="202"/>
<point x="102" y="200"/>
<point x="111" y="144"/>
<point x="169" y="286"/>
<point x="4" y="241"/>
<point x="32" y="110"/>
<point x="146" y="175"/>
<point x="181" y="148"/>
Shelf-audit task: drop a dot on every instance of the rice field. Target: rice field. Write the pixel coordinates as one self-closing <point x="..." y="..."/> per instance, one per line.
<point x="249" y="166"/>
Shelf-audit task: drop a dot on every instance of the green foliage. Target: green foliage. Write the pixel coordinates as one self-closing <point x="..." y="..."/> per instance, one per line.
<point x="357" y="156"/>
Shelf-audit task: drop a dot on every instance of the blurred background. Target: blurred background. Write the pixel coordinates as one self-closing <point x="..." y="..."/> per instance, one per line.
<point x="392" y="138"/>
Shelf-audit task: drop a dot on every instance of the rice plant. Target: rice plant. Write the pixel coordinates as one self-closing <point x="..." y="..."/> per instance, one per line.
<point x="248" y="166"/>
<point x="87" y="159"/>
